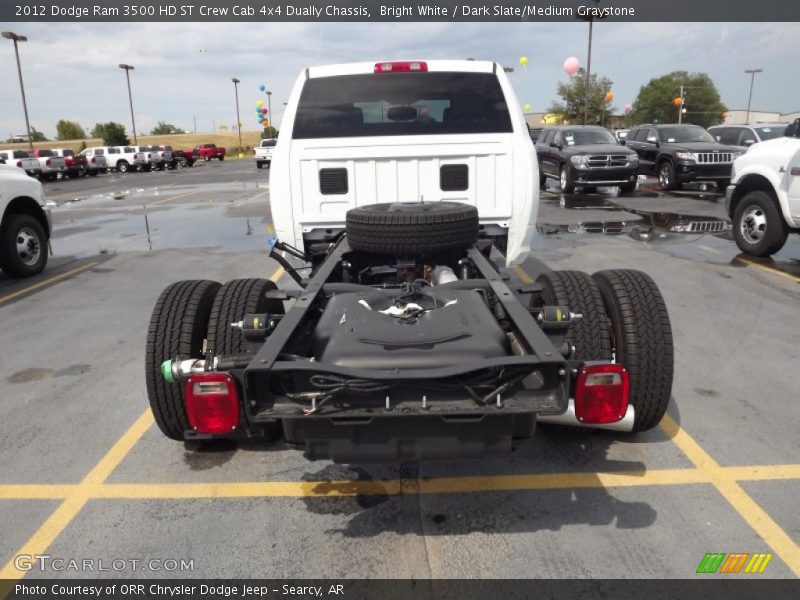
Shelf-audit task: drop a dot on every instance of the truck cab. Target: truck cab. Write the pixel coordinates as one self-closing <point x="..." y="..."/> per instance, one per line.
<point x="404" y="131"/>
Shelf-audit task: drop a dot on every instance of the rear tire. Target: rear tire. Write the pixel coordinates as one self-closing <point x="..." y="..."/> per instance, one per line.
<point x="666" y="176"/>
<point x="234" y="300"/>
<point x="418" y="228"/>
<point x="123" y="167"/>
<point x="642" y="340"/>
<point x="590" y="335"/>
<point x="567" y="184"/>
<point x="177" y="328"/>
<point x="758" y="225"/>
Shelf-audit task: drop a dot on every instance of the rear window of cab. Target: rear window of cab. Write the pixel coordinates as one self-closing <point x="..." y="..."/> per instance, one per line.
<point x="386" y="104"/>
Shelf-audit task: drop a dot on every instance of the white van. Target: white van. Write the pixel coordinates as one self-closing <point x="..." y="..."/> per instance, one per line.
<point x="404" y="131"/>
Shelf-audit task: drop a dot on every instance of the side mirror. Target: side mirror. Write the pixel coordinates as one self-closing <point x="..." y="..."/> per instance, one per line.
<point x="554" y="144"/>
<point x="749" y="142"/>
<point x="793" y="130"/>
<point x="652" y="140"/>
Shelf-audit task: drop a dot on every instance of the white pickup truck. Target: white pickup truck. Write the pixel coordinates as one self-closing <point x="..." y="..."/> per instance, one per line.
<point x="25" y="223"/>
<point x="120" y="158"/>
<point x="22" y="160"/>
<point x="763" y="200"/>
<point x="263" y="153"/>
<point x="51" y="163"/>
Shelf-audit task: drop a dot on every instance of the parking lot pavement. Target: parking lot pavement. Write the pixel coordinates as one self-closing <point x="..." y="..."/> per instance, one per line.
<point x="85" y="473"/>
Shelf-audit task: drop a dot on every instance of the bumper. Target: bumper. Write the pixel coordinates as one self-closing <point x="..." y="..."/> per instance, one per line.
<point x="692" y="172"/>
<point x="605" y="176"/>
<point x="33" y="172"/>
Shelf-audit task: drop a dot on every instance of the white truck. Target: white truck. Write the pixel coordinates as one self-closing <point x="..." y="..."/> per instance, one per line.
<point x="400" y="185"/>
<point x="22" y="160"/>
<point x="119" y="158"/>
<point x="25" y="223"/>
<point x="51" y="163"/>
<point x="763" y="199"/>
<point x="262" y="153"/>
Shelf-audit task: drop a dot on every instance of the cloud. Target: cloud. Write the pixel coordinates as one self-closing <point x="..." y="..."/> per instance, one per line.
<point x="183" y="71"/>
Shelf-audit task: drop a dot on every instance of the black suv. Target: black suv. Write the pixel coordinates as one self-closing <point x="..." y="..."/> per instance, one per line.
<point x="586" y="156"/>
<point x="679" y="154"/>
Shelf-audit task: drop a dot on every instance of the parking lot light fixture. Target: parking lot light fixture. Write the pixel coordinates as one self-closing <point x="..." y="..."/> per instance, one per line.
<point x="10" y="35"/>
<point x="128" y="69"/>
<point x="752" y="73"/>
<point x="238" y="119"/>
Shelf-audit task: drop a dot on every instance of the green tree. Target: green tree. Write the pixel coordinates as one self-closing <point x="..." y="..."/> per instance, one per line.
<point x="37" y="136"/>
<point x="573" y="99"/>
<point x="269" y="133"/>
<point x="655" y="101"/>
<point x="112" y="134"/>
<point x="69" y="130"/>
<point x="164" y="128"/>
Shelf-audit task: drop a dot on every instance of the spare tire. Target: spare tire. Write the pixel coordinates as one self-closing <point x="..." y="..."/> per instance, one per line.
<point x="412" y="228"/>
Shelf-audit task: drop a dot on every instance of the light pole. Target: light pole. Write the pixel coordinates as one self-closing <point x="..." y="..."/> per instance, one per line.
<point x="752" y="73"/>
<point x="238" y="119"/>
<point x="9" y="35"/>
<point x="128" y="69"/>
<point x="588" y="64"/>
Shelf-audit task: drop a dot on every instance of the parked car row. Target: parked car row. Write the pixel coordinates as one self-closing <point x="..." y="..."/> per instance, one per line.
<point x="49" y="164"/>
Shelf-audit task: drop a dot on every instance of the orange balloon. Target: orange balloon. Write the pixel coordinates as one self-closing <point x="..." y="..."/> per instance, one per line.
<point x="678" y="101"/>
<point x="609" y="96"/>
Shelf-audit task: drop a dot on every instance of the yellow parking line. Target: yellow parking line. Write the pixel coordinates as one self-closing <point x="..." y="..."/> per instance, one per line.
<point x="767" y="529"/>
<point x="47" y="281"/>
<point x="763" y="472"/>
<point x="178" y="197"/>
<point x="522" y="274"/>
<point x="757" y="265"/>
<point x="36" y="491"/>
<point x="75" y="501"/>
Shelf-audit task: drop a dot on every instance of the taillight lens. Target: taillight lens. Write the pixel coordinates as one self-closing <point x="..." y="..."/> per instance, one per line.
<point x="47" y="162"/>
<point x="401" y="67"/>
<point x="149" y="156"/>
<point x="94" y="161"/>
<point x="19" y="164"/>
<point x="212" y="403"/>
<point x="601" y="394"/>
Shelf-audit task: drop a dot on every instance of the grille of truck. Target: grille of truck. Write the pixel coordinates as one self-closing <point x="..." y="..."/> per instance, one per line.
<point x="333" y="181"/>
<point x="453" y="178"/>
<point x="714" y="158"/>
<point x="603" y="161"/>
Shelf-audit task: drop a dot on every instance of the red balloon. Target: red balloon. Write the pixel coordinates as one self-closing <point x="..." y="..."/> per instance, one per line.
<point x="264" y="111"/>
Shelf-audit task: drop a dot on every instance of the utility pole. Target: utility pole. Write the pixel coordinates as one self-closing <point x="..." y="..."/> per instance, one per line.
<point x="269" y="108"/>
<point x="238" y="118"/>
<point x="128" y="69"/>
<point x="9" y="35"/>
<point x="680" y="108"/>
<point x="752" y="73"/>
<point x="588" y="64"/>
<point x="194" y="118"/>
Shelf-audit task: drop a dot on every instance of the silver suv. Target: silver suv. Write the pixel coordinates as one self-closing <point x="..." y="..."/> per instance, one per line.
<point x="744" y="136"/>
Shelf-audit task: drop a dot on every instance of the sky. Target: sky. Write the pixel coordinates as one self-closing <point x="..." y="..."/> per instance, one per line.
<point x="184" y="71"/>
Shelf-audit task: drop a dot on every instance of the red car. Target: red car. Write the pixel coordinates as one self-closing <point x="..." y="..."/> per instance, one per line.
<point x="207" y="152"/>
<point x="77" y="165"/>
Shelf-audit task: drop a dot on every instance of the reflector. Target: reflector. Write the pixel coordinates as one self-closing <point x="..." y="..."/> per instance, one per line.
<point x="601" y="394"/>
<point x="212" y="403"/>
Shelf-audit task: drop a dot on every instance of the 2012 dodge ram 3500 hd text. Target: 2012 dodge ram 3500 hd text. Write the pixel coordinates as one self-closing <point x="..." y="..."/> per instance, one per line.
<point x="402" y="185"/>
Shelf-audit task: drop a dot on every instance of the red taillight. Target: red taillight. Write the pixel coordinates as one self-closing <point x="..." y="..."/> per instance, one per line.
<point x="601" y="394"/>
<point x="400" y="67"/>
<point x="212" y="403"/>
<point x="47" y="162"/>
<point x="94" y="161"/>
<point x="149" y="156"/>
<point x="19" y="164"/>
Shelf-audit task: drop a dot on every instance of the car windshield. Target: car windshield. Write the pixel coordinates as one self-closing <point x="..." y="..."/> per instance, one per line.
<point x="45" y="153"/>
<point x="672" y="135"/>
<point x="769" y="133"/>
<point x="587" y="137"/>
<point x="423" y="103"/>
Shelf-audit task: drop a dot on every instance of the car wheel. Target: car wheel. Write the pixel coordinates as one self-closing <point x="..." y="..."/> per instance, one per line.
<point x="123" y="167"/>
<point x="206" y="158"/>
<point x="590" y="335"/>
<point x="758" y="225"/>
<point x="259" y="165"/>
<point x="567" y="185"/>
<point x="93" y="173"/>
<point x="233" y="301"/>
<point x="221" y="158"/>
<point x="666" y="176"/>
<point x="414" y="228"/>
<point x="23" y="246"/>
<point x="641" y="335"/>
<point x="628" y="188"/>
<point x="178" y="326"/>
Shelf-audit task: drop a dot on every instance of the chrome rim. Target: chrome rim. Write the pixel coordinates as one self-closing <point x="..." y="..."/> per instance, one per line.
<point x="563" y="178"/>
<point x="753" y="225"/>
<point x="29" y="247"/>
<point x="663" y="176"/>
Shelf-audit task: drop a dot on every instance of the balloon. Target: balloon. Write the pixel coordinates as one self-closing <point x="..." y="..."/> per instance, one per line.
<point x="628" y="108"/>
<point x="609" y="96"/>
<point x="678" y="101"/>
<point x="527" y="108"/>
<point x="523" y="60"/>
<point x="265" y="123"/>
<point x="264" y="110"/>
<point x="260" y="103"/>
<point x="571" y="65"/>
<point x="262" y="87"/>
